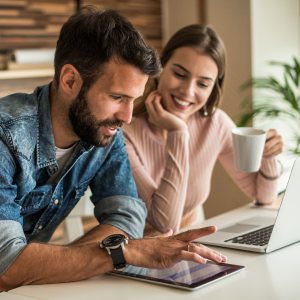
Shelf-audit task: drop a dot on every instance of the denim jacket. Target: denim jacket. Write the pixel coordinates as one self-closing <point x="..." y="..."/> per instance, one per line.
<point x="31" y="209"/>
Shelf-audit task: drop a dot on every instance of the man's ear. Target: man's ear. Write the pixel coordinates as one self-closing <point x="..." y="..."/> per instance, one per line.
<point x="70" y="81"/>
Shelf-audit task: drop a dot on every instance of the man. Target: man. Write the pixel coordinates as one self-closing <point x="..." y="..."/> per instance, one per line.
<point x="65" y="137"/>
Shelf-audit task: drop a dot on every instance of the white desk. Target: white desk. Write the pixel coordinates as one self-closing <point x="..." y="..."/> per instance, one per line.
<point x="9" y="296"/>
<point x="267" y="276"/>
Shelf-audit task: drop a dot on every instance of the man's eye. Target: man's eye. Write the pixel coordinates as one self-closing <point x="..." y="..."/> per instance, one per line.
<point x="116" y="97"/>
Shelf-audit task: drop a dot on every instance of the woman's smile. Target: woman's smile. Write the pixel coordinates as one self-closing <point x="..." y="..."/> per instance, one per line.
<point x="181" y="103"/>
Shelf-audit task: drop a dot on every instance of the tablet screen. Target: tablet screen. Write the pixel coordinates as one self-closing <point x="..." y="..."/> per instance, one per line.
<point x="185" y="274"/>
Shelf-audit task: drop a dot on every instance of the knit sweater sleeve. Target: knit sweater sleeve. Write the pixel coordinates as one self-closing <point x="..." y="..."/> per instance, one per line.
<point x="165" y="201"/>
<point x="253" y="184"/>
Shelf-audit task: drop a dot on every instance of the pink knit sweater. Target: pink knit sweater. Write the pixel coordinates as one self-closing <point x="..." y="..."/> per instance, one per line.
<point x="173" y="176"/>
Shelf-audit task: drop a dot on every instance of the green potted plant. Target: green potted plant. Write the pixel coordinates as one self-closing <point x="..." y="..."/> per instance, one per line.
<point x="275" y="99"/>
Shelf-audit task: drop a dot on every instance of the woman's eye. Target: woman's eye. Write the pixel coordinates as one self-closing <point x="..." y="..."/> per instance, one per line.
<point x="202" y="85"/>
<point x="179" y="75"/>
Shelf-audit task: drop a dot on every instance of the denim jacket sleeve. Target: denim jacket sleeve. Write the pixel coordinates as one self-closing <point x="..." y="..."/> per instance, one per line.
<point x="115" y="195"/>
<point x="12" y="238"/>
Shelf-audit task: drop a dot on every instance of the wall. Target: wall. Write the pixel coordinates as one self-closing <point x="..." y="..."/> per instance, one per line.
<point x="177" y="14"/>
<point x="275" y="36"/>
<point x="231" y="19"/>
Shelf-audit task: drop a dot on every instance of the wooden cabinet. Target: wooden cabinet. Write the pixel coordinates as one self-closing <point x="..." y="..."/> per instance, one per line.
<point x="32" y="23"/>
<point x="36" y="23"/>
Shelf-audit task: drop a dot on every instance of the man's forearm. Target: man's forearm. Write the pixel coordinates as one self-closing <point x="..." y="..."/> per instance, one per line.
<point x="97" y="234"/>
<point x="42" y="263"/>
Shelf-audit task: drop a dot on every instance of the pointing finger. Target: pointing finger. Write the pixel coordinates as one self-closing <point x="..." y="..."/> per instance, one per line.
<point x="193" y="234"/>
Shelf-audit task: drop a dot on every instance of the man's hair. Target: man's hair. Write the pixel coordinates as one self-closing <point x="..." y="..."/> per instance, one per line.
<point x="91" y="37"/>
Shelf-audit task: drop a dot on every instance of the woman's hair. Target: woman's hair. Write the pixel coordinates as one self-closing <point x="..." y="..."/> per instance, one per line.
<point x="203" y="39"/>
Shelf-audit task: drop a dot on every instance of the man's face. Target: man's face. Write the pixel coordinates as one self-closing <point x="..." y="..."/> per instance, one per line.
<point x="107" y="105"/>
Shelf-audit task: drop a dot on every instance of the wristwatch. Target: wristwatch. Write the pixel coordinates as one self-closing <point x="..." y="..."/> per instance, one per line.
<point x="115" y="244"/>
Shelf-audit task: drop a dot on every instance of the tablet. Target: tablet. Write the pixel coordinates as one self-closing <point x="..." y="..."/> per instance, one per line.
<point x="185" y="275"/>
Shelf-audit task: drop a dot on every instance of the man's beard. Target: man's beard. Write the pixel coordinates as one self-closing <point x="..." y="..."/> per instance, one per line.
<point x="86" y="126"/>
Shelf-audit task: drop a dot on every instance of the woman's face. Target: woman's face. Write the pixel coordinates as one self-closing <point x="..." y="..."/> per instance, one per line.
<point x="187" y="82"/>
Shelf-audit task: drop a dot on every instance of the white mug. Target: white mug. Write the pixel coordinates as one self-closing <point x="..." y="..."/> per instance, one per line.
<point x="248" y="147"/>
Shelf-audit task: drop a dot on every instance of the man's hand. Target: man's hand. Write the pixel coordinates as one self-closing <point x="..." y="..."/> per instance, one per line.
<point x="274" y="143"/>
<point x="166" y="250"/>
<point x="159" y="116"/>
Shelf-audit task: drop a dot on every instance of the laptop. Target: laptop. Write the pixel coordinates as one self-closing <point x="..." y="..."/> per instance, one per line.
<point x="263" y="231"/>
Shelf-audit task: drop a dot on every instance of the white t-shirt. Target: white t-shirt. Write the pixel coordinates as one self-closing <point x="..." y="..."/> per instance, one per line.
<point x="62" y="156"/>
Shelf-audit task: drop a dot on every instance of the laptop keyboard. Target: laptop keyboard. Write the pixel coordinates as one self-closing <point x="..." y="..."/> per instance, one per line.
<point x="257" y="238"/>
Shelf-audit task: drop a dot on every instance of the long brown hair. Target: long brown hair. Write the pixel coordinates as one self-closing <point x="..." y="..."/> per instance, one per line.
<point x="208" y="42"/>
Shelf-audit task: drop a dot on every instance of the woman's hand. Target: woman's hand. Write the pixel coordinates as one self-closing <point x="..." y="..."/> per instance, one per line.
<point x="159" y="116"/>
<point x="274" y="143"/>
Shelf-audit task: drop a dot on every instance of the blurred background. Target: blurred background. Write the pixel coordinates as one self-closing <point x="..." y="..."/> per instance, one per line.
<point x="254" y="32"/>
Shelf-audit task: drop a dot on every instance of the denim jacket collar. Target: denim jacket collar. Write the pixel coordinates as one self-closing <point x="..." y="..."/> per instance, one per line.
<point x="46" y="154"/>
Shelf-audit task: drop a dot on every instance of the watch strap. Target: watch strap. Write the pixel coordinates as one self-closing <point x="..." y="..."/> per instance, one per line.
<point x="118" y="258"/>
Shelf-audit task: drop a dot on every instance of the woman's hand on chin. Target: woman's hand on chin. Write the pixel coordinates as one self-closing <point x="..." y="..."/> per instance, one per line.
<point x="159" y="116"/>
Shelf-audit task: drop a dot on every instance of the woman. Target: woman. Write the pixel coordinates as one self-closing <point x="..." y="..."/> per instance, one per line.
<point x="178" y="134"/>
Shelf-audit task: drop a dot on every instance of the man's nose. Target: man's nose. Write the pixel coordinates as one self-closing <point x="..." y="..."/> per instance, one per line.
<point x="125" y="112"/>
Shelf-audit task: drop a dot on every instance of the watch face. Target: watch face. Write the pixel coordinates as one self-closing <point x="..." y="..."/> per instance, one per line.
<point x="113" y="240"/>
